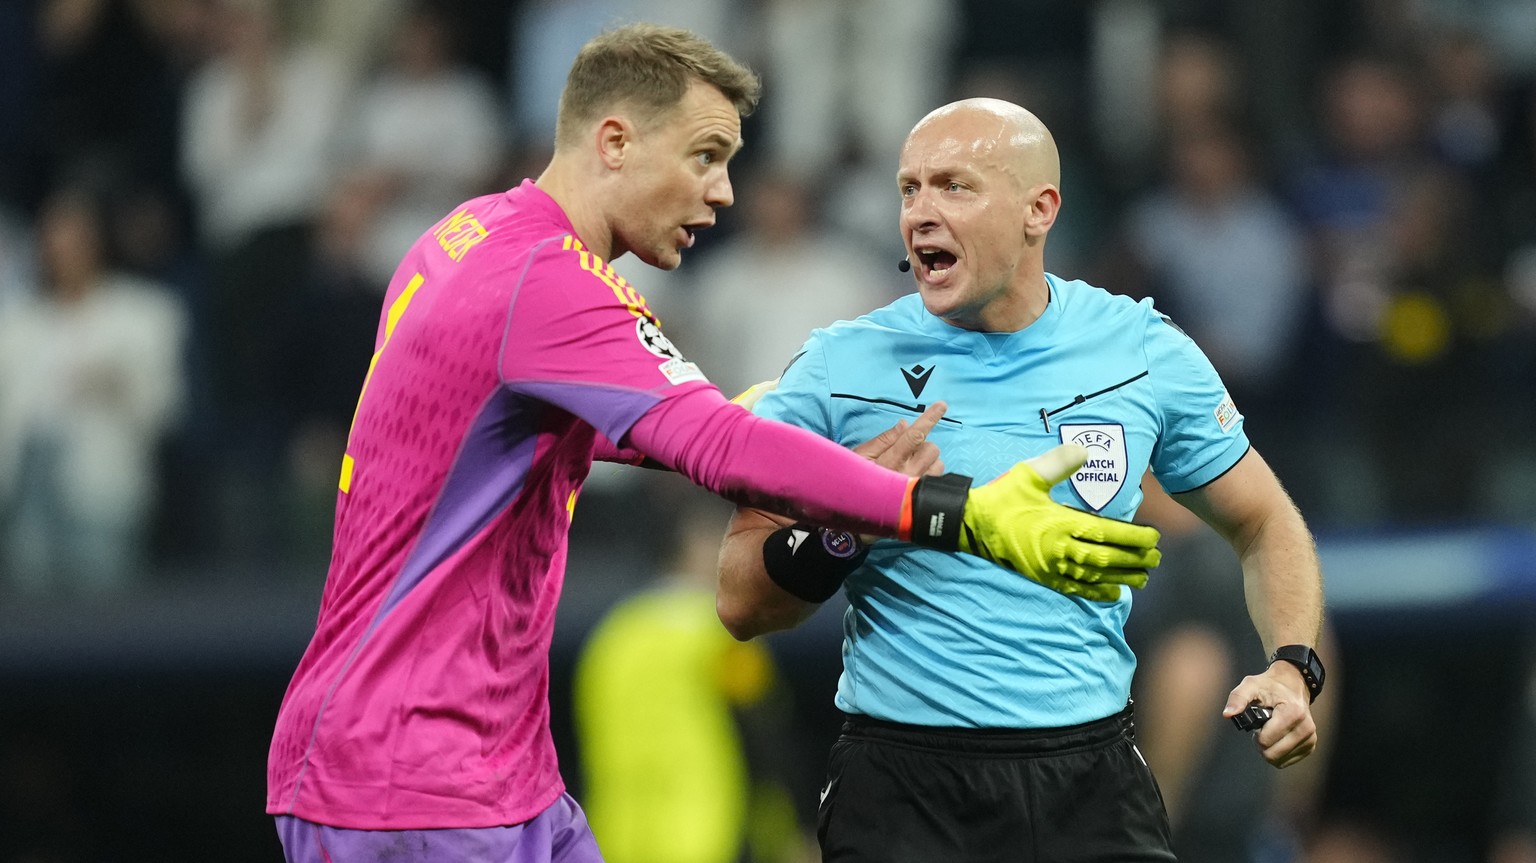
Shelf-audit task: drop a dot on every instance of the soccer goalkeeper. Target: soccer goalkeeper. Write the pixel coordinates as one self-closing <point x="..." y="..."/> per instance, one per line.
<point x="988" y="705"/>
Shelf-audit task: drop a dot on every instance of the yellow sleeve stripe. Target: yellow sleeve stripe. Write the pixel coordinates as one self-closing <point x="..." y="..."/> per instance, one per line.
<point x="622" y="290"/>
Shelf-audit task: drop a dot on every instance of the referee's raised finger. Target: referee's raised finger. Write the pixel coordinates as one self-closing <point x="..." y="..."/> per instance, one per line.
<point x="917" y="433"/>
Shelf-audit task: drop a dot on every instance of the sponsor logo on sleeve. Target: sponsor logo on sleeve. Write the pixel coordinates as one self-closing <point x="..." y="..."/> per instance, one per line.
<point x="680" y="371"/>
<point x="1226" y="414"/>
<point x="1103" y="475"/>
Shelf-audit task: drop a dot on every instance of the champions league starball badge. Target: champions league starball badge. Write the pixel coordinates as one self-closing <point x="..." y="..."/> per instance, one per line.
<point x="655" y="340"/>
<point x="676" y="369"/>
<point x="1103" y="475"/>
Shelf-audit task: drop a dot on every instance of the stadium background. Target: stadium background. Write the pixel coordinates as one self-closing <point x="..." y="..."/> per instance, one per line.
<point x="1379" y="331"/>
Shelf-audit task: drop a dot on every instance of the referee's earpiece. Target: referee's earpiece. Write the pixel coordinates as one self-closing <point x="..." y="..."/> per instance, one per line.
<point x="905" y="265"/>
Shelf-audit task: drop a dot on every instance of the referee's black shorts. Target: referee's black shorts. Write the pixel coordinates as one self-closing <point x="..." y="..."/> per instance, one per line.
<point x="912" y="794"/>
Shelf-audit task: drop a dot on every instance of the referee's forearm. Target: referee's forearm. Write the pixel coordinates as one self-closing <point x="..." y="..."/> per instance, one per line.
<point x="1283" y="583"/>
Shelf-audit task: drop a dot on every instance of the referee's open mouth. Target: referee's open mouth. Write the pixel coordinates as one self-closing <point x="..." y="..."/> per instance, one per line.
<point x="934" y="262"/>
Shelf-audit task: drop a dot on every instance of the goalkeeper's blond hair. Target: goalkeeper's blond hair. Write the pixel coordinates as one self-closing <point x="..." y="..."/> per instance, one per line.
<point x="646" y="68"/>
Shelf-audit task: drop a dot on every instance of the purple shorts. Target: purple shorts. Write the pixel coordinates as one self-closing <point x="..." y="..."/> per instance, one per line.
<point x="559" y="834"/>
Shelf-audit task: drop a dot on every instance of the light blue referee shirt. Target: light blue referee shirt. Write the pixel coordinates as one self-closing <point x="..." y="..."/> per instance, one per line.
<point x="939" y="639"/>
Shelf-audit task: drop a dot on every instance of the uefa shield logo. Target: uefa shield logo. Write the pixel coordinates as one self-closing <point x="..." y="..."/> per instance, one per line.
<point x="1103" y="475"/>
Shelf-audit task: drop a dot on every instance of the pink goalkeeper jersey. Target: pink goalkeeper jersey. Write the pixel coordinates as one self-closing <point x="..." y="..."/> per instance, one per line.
<point x="504" y="350"/>
<point x="421" y="702"/>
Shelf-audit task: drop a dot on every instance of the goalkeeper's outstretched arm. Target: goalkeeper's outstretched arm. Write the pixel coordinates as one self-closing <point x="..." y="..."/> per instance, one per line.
<point x="813" y="560"/>
<point x="773" y="574"/>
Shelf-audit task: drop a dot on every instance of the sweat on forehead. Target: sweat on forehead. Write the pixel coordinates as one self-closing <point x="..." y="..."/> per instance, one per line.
<point x="993" y="124"/>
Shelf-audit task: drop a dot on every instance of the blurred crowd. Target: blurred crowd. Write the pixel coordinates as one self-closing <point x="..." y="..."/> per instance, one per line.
<point x="201" y="202"/>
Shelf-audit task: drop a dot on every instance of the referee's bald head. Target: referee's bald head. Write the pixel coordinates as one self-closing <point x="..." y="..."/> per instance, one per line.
<point x="996" y="132"/>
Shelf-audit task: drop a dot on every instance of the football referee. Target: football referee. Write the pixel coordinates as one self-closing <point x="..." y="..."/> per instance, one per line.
<point x="988" y="714"/>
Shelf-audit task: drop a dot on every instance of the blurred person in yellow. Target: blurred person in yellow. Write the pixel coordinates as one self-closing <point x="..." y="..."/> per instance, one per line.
<point x="660" y="689"/>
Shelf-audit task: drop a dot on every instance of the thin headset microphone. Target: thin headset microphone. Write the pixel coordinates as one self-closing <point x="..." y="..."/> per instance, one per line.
<point x="905" y="264"/>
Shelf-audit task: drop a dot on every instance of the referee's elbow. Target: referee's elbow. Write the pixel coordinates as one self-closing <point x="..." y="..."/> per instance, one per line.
<point x="738" y="618"/>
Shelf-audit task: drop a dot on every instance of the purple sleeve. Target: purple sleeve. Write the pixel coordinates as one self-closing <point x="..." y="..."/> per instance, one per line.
<point x="607" y="450"/>
<point x="771" y="465"/>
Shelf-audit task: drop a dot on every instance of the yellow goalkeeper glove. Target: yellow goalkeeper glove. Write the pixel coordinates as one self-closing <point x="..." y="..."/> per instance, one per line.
<point x="1013" y="522"/>
<point x="748" y="399"/>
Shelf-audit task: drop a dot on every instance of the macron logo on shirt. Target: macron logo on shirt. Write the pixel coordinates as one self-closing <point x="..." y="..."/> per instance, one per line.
<point x="917" y="378"/>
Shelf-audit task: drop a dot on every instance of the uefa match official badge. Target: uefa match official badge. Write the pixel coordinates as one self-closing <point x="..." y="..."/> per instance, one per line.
<point x="1103" y="475"/>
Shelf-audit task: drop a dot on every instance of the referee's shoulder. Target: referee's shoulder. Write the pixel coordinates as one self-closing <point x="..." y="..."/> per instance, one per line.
<point x="1093" y="302"/>
<point x="895" y="316"/>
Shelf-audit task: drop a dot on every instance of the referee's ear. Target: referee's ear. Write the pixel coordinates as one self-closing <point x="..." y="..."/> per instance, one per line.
<point x="1042" y="211"/>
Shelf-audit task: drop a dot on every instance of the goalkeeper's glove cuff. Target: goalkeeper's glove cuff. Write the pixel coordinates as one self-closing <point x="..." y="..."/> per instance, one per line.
<point x="938" y="509"/>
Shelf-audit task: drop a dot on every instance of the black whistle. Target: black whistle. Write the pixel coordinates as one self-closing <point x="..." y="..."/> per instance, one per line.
<point x="1252" y="718"/>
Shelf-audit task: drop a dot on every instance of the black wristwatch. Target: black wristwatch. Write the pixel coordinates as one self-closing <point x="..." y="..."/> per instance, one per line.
<point x="1306" y="661"/>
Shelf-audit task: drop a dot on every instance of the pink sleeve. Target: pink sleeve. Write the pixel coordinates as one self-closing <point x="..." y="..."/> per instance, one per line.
<point x="771" y="465"/>
<point x="578" y="336"/>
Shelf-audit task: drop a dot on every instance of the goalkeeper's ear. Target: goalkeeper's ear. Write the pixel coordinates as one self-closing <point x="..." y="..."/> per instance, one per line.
<point x="749" y="398"/>
<point x="1059" y="463"/>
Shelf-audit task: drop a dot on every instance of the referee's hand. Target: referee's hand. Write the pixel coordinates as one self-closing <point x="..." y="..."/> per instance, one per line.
<point x="1290" y="734"/>
<point x="905" y="447"/>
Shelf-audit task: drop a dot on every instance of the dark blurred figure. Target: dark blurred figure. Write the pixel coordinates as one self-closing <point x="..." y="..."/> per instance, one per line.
<point x="1197" y="82"/>
<point x="1514" y="817"/>
<point x="258" y="154"/>
<point x="426" y="135"/>
<point x="22" y="142"/>
<point x="1216" y="247"/>
<point x="91" y="379"/>
<point x="1466" y="124"/>
<point x="325" y="361"/>
<point x="1402" y="362"/>
<point x="1513" y="492"/>
<point x="1226" y="261"/>
<point x="108" y="88"/>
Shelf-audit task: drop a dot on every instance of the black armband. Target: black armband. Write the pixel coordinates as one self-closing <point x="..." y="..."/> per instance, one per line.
<point x="811" y="562"/>
<point x="938" y="507"/>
